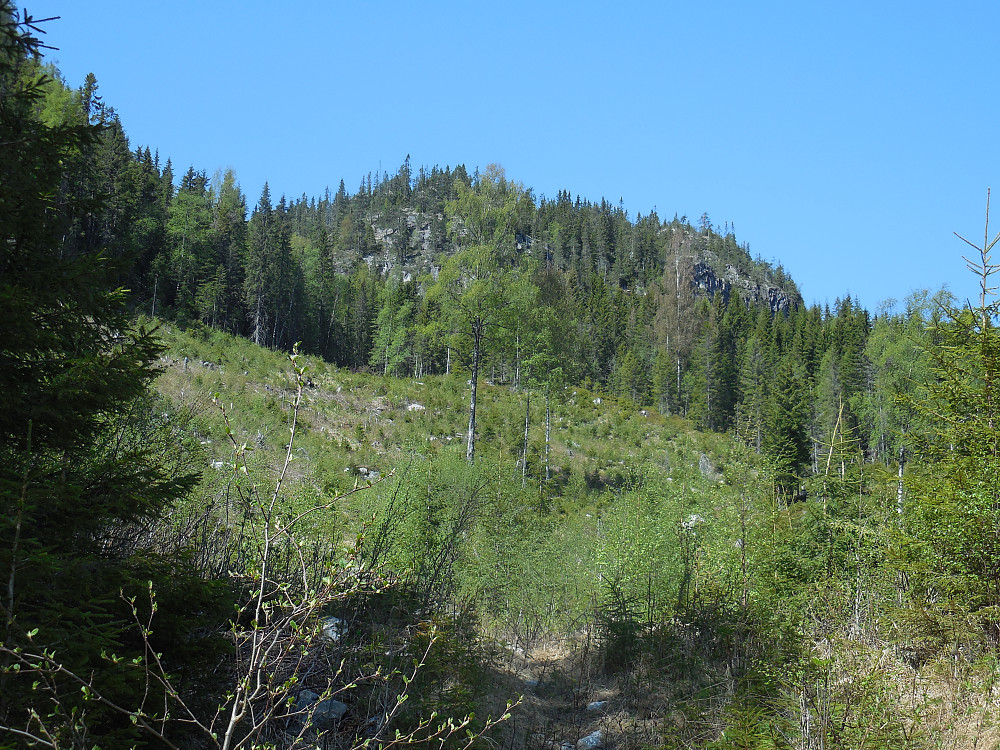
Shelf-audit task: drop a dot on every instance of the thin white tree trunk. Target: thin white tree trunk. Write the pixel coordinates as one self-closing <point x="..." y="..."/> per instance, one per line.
<point x="524" y="453"/>
<point x="477" y="339"/>
<point x="548" y="432"/>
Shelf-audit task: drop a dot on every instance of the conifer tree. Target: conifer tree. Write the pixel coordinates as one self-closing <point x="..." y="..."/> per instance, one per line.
<point x="754" y="378"/>
<point x="785" y="439"/>
<point x="662" y="381"/>
<point x="631" y="378"/>
<point x="229" y="234"/>
<point x="77" y="443"/>
<point x="949" y="524"/>
<point x="259" y="271"/>
<point x="189" y="221"/>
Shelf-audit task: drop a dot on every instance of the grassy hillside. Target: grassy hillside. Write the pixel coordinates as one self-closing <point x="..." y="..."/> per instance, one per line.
<point x="349" y="421"/>
<point x="533" y="558"/>
<point x="653" y="569"/>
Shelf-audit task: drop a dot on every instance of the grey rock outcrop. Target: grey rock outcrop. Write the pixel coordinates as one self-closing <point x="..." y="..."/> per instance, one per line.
<point x="592" y="741"/>
<point x="755" y="292"/>
<point x="334" y="629"/>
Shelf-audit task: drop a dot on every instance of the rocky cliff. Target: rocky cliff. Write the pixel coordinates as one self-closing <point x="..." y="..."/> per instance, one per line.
<point x="412" y="242"/>
<point x="754" y="291"/>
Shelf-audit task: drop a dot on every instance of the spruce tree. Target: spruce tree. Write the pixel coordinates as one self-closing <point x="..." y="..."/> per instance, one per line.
<point x="785" y="438"/>
<point x="950" y="519"/>
<point x="259" y="271"/>
<point x="79" y="476"/>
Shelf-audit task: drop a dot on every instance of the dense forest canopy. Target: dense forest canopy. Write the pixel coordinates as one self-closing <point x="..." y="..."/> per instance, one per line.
<point x="753" y="522"/>
<point x="664" y="313"/>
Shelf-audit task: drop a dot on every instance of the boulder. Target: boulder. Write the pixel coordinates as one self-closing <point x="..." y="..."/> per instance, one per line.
<point x="692" y="522"/>
<point x="333" y="628"/>
<point x="320" y="714"/>
<point x="328" y="714"/>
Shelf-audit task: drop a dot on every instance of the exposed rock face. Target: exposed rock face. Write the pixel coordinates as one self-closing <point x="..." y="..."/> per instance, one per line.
<point x="762" y="293"/>
<point x="404" y="244"/>
<point x="705" y="467"/>
<point x="704" y="279"/>
<point x="592" y="741"/>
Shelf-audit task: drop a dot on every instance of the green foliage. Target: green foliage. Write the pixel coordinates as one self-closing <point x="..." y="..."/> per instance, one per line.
<point x="578" y="278"/>
<point x="87" y="464"/>
<point x="898" y="351"/>
<point x="638" y="556"/>
<point x="390" y="347"/>
<point x="490" y="213"/>
<point x="785" y="438"/>
<point x="949" y="547"/>
<point x="754" y="621"/>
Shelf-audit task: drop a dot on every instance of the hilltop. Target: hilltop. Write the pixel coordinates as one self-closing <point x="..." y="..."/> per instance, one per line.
<point x="522" y="447"/>
<point x="400" y="226"/>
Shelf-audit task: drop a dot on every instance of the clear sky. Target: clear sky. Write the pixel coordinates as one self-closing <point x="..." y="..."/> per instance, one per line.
<point x="846" y="140"/>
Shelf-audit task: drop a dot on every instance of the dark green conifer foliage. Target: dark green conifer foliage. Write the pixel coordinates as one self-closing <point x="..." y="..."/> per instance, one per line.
<point x="229" y="232"/>
<point x="785" y="438"/>
<point x="631" y="376"/>
<point x="78" y="477"/>
<point x="145" y="232"/>
<point x="950" y="520"/>
<point x="259" y="274"/>
<point x="754" y="386"/>
<point x="189" y="221"/>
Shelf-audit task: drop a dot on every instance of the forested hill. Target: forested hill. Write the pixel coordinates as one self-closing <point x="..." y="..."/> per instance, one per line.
<point x="348" y="275"/>
<point x="315" y="269"/>
<point x="208" y="543"/>
<point x="403" y="223"/>
<point x="203" y="243"/>
<point x="426" y="271"/>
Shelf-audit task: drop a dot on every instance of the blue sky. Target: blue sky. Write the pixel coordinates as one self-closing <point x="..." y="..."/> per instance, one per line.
<point x="844" y="140"/>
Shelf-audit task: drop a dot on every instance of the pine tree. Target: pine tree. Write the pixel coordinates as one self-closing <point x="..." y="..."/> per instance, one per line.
<point x="754" y="378"/>
<point x="189" y="222"/>
<point x="229" y="235"/>
<point x="631" y="376"/>
<point x="287" y="290"/>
